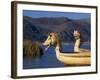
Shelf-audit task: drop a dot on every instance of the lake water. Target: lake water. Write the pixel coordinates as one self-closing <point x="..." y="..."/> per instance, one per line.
<point x="48" y="60"/>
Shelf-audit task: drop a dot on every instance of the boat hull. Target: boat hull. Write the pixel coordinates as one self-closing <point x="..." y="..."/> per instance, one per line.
<point x="76" y="59"/>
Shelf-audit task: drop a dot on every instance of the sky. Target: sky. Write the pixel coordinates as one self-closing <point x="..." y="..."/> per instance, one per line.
<point x="70" y="15"/>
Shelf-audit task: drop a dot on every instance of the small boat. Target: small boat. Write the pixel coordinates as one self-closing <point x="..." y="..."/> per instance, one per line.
<point x="80" y="57"/>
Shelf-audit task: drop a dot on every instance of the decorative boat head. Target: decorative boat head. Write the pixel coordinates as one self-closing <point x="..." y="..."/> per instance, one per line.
<point x="76" y="34"/>
<point x="52" y="40"/>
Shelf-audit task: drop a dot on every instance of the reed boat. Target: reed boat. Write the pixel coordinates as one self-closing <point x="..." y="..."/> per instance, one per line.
<point x="79" y="57"/>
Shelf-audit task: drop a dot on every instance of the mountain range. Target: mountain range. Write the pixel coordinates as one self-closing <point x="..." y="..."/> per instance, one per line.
<point x="37" y="29"/>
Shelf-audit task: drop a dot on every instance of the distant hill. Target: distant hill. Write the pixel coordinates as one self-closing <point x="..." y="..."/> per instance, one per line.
<point x="86" y="20"/>
<point x="37" y="29"/>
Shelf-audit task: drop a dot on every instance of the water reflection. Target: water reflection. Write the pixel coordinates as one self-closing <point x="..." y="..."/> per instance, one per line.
<point x="48" y="60"/>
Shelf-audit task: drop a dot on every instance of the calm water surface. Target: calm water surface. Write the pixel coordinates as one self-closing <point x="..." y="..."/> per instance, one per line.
<point x="48" y="60"/>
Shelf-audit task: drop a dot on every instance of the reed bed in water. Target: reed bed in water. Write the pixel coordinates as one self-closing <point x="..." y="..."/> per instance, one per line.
<point x="32" y="49"/>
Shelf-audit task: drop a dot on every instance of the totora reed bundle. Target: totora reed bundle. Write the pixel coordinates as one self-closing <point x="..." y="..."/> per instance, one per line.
<point x="32" y="49"/>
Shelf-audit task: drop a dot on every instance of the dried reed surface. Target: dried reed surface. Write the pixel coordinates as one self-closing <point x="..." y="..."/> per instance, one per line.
<point x="32" y="49"/>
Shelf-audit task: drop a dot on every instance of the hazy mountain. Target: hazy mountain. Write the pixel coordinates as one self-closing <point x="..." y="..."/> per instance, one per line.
<point x="86" y="20"/>
<point x="38" y="28"/>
